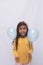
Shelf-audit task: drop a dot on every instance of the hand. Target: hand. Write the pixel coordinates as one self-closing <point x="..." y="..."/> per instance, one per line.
<point x="17" y="58"/>
<point x="28" y="55"/>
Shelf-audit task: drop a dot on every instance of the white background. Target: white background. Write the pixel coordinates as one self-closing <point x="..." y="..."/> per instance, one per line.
<point x="12" y="12"/>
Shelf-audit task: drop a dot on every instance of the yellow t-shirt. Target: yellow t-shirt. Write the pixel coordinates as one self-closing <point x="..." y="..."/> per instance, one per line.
<point x="24" y="47"/>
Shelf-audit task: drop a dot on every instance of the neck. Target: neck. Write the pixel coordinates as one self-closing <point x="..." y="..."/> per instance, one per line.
<point x="23" y="36"/>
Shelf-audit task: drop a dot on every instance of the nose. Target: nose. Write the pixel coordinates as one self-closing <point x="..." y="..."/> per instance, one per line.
<point x="22" y="30"/>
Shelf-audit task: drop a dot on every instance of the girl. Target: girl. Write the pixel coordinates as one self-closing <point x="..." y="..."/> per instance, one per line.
<point x="22" y="47"/>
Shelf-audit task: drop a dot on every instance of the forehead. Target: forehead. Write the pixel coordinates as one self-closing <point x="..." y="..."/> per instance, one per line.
<point x="22" y="26"/>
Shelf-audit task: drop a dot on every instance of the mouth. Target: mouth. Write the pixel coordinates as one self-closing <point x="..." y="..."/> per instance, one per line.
<point x="22" y="33"/>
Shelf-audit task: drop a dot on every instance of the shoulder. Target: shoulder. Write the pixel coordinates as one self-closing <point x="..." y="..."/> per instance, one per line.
<point x="29" y="40"/>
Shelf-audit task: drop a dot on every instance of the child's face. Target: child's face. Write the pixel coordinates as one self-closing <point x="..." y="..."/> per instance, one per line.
<point x="22" y="30"/>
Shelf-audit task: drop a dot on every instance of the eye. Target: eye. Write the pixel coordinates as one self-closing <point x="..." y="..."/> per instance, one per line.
<point x="24" y="28"/>
<point x="20" y="28"/>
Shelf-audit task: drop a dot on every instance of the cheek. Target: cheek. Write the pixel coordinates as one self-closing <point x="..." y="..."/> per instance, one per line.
<point x="25" y="30"/>
<point x="20" y="31"/>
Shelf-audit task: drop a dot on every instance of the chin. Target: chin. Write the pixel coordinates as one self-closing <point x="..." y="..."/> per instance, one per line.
<point x="23" y="36"/>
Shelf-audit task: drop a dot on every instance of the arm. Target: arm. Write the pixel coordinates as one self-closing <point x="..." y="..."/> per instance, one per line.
<point x="30" y="48"/>
<point x="14" y="49"/>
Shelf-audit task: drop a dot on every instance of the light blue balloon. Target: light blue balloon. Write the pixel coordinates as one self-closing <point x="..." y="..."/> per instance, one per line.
<point x="33" y="34"/>
<point x="11" y="32"/>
